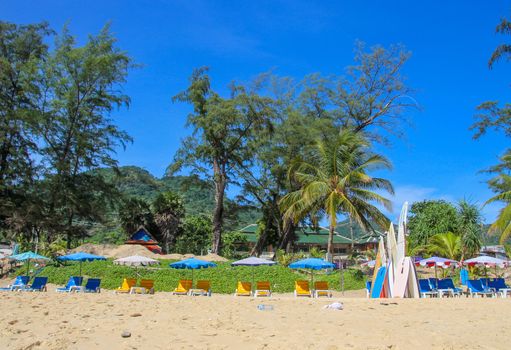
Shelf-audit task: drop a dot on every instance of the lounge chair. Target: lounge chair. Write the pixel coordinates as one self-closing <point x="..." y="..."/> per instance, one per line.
<point x="433" y="283"/>
<point x="243" y="289"/>
<point x="500" y="287"/>
<point x="183" y="287"/>
<point x="92" y="285"/>
<point x="146" y="286"/>
<point x="426" y="290"/>
<point x="202" y="288"/>
<point x="302" y="289"/>
<point x="38" y="285"/>
<point x="19" y="283"/>
<point x="368" y="288"/>
<point x="73" y="284"/>
<point x="486" y="282"/>
<point x="126" y="285"/>
<point x="476" y="288"/>
<point x="446" y="287"/>
<point x="321" y="289"/>
<point x="263" y="289"/>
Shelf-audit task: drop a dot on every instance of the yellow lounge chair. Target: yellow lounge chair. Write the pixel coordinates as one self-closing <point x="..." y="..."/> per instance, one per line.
<point x="148" y="286"/>
<point x="202" y="288"/>
<point x="263" y="289"/>
<point x="321" y="289"/>
<point x="127" y="283"/>
<point x="302" y="289"/>
<point x="244" y="289"/>
<point x="183" y="287"/>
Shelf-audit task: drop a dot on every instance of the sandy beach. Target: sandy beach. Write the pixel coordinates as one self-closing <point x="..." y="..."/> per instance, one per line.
<point x="163" y="321"/>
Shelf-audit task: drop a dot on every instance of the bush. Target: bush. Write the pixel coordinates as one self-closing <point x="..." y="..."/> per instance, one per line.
<point x="223" y="278"/>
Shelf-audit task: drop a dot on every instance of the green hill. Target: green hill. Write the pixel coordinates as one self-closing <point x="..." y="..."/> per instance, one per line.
<point x="198" y="195"/>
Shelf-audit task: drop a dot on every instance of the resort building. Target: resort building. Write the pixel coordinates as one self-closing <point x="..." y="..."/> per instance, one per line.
<point x="309" y="237"/>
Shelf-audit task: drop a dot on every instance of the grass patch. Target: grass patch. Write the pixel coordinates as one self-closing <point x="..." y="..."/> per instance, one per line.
<point x="223" y="277"/>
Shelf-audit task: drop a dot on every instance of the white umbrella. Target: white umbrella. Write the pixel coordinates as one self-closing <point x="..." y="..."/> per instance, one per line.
<point x="136" y="260"/>
<point x="485" y="260"/>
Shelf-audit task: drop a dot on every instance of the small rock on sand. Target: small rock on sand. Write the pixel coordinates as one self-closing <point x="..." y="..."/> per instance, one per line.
<point x="125" y="334"/>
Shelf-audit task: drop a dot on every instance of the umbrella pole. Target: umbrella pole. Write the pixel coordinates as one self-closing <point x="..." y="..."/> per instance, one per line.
<point x="28" y="267"/>
<point x="192" y="278"/>
<point x="253" y="277"/>
<point x="80" y="268"/>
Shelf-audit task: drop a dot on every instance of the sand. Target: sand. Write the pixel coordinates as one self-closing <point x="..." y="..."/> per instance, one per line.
<point x="164" y="321"/>
<point x="124" y="250"/>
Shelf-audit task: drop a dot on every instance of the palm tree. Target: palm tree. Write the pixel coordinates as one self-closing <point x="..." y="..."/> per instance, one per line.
<point x="335" y="180"/>
<point x="447" y="245"/>
<point x="503" y="222"/>
<point x="469" y="228"/>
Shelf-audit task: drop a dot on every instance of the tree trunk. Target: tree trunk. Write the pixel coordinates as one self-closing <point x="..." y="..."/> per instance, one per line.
<point x="288" y="237"/>
<point x="351" y="234"/>
<point x="218" y="213"/>
<point x="329" y="249"/>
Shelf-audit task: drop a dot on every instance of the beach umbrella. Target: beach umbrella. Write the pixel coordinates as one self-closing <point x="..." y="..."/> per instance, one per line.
<point x="436" y="261"/>
<point x="192" y="264"/>
<point x="136" y="260"/>
<point x="312" y="264"/>
<point x="2" y="256"/>
<point x="81" y="257"/>
<point x="486" y="261"/>
<point x="253" y="262"/>
<point x="27" y="256"/>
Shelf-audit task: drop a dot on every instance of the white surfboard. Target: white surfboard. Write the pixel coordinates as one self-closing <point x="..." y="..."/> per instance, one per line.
<point x="401" y="232"/>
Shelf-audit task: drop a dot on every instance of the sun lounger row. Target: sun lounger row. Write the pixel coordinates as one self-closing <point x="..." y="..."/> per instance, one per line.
<point x="21" y="284"/>
<point x="74" y="284"/>
<point x="129" y="285"/>
<point x="184" y="287"/>
<point x="483" y="287"/>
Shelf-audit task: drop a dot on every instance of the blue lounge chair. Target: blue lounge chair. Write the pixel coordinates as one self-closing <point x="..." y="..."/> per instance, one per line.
<point x="500" y="287"/>
<point x="433" y="283"/>
<point x="92" y="285"/>
<point x="446" y="287"/>
<point x="485" y="281"/>
<point x="72" y="285"/>
<point x="475" y="288"/>
<point x="38" y="285"/>
<point x="426" y="290"/>
<point x="368" y="288"/>
<point x="19" y="283"/>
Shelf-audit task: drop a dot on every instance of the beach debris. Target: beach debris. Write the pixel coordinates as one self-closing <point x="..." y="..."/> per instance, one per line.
<point x="265" y="307"/>
<point x="126" y="334"/>
<point x="335" y="306"/>
<point x="136" y="314"/>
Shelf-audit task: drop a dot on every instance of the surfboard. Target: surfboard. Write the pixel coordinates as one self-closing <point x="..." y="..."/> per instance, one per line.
<point x="405" y="281"/>
<point x="378" y="282"/>
<point x="401" y="232"/>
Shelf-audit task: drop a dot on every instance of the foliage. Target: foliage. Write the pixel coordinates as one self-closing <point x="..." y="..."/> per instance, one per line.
<point x="222" y="130"/>
<point x="285" y="259"/>
<point x="315" y="252"/>
<point x="469" y="228"/>
<point x="428" y="218"/>
<point x="196" y="236"/>
<point x="232" y="241"/>
<point x="168" y="216"/>
<point x="133" y="213"/>
<point x="447" y="245"/>
<point x="336" y="180"/>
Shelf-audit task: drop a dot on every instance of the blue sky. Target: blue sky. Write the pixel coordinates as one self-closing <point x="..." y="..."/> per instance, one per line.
<point x="450" y="41"/>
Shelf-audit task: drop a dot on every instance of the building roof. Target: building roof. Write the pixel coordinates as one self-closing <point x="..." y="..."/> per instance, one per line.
<point x="305" y="235"/>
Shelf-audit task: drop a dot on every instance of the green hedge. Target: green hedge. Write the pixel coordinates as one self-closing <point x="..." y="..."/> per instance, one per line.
<point x="223" y="278"/>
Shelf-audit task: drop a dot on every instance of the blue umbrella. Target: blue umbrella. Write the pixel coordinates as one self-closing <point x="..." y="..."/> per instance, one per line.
<point x="192" y="264"/>
<point x="27" y="256"/>
<point x="253" y="261"/>
<point x="312" y="264"/>
<point x="81" y="257"/>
